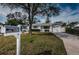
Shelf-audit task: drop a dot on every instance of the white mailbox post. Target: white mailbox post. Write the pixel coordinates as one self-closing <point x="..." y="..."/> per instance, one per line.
<point x="18" y="39"/>
<point x="18" y="42"/>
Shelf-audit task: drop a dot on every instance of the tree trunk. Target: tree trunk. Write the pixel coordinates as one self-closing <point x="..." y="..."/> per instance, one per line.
<point x="30" y="20"/>
<point x="30" y="30"/>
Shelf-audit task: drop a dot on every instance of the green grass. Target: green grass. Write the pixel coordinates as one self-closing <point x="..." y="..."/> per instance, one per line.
<point x="41" y="43"/>
<point x="7" y="45"/>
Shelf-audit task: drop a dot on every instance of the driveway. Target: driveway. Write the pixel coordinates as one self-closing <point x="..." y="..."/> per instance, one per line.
<point x="71" y="43"/>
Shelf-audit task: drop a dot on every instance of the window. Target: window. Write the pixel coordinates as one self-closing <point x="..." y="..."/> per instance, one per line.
<point x="35" y="26"/>
<point x="46" y="30"/>
<point x="46" y="27"/>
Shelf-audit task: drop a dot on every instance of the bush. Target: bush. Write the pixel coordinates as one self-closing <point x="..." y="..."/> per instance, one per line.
<point x="72" y="31"/>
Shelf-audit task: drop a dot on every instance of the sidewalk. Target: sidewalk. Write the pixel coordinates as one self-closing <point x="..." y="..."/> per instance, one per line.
<point x="71" y="43"/>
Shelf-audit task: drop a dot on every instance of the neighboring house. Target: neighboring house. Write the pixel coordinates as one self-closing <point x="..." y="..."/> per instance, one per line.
<point x="76" y="27"/>
<point x="2" y="28"/>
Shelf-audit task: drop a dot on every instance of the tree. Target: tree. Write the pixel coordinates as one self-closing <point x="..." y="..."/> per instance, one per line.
<point x="16" y="17"/>
<point x="51" y="10"/>
<point x="33" y="9"/>
<point x="47" y="20"/>
<point x="72" y="24"/>
<point x="36" y="21"/>
<point x="14" y="22"/>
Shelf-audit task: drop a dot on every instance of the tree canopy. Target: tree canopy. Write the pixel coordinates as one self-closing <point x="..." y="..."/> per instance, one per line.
<point x="45" y="9"/>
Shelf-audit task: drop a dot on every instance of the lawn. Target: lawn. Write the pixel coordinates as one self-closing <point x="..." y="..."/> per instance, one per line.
<point x="39" y="44"/>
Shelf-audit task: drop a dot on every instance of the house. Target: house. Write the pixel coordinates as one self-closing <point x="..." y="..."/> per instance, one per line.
<point x="76" y="27"/>
<point x="59" y="27"/>
<point x="40" y="27"/>
<point x="49" y="27"/>
<point x="2" y="28"/>
<point x="24" y="28"/>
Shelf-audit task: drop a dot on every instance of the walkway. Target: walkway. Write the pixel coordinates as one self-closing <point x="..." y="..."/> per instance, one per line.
<point x="71" y="43"/>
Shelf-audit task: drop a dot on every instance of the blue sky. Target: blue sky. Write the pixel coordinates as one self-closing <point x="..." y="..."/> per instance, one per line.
<point x="69" y="12"/>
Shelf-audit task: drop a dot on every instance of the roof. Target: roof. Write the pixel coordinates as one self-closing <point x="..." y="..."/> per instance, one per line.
<point x="42" y="24"/>
<point x="77" y="25"/>
<point x="58" y="23"/>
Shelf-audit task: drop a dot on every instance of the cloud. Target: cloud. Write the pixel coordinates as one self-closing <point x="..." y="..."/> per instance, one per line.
<point x="67" y="14"/>
<point x="6" y="10"/>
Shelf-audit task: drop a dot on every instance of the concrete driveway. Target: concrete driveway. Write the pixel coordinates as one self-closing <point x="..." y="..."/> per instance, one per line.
<point x="71" y="43"/>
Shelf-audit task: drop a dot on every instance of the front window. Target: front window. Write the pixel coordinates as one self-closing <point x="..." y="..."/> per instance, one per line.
<point x="46" y="27"/>
<point x="35" y="26"/>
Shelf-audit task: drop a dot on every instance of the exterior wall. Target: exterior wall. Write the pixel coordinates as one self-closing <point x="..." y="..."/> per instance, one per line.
<point x="2" y="30"/>
<point x="25" y="29"/>
<point x="42" y="30"/>
<point x="51" y="29"/>
<point x="38" y="27"/>
<point x="59" y="29"/>
<point x="46" y="29"/>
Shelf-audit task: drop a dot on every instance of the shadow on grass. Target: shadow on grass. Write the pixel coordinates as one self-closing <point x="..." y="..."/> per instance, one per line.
<point x="42" y="33"/>
<point x="45" y="53"/>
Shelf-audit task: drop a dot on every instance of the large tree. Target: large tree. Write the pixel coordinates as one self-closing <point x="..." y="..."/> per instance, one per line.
<point x="33" y="9"/>
<point x="15" y="22"/>
<point x="16" y="18"/>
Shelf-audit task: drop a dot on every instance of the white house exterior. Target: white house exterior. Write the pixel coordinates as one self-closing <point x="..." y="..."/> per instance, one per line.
<point x="49" y="27"/>
<point x="2" y="29"/>
<point x="42" y="27"/>
<point x="24" y="28"/>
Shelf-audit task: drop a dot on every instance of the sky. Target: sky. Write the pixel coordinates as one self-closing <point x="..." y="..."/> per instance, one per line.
<point x="69" y="13"/>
